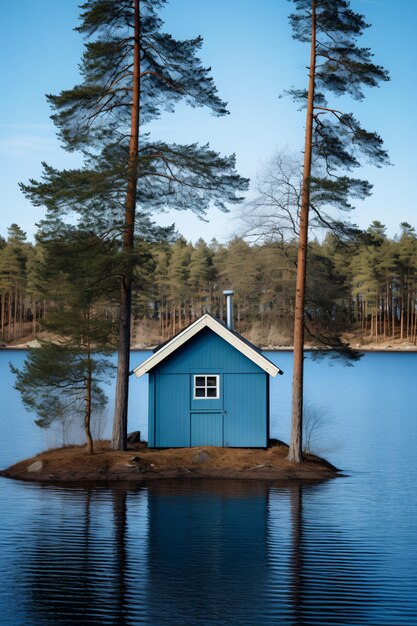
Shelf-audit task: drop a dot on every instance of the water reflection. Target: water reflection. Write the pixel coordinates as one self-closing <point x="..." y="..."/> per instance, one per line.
<point x="207" y="551"/>
<point x="73" y="567"/>
<point x="332" y="575"/>
<point x="190" y="553"/>
<point x="296" y="508"/>
<point x="119" y="498"/>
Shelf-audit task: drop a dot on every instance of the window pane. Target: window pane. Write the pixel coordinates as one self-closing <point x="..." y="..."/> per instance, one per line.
<point x="211" y="392"/>
<point x="200" y="392"/>
<point x="199" y="381"/>
<point x="211" y="381"/>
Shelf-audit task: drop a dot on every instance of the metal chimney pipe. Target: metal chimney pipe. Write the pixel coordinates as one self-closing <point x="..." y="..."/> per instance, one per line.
<point x="229" y="307"/>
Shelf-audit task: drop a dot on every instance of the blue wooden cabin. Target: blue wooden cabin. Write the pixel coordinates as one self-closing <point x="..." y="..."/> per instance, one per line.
<point x="208" y="386"/>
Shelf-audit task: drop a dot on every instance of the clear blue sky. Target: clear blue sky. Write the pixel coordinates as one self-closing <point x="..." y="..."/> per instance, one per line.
<point x="253" y="58"/>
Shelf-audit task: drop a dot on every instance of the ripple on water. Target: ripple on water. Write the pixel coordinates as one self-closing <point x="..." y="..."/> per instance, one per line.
<point x="209" y="552"/>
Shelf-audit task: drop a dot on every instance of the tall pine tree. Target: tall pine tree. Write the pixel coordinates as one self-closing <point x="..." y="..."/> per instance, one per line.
<point x="335" y="142"/>
<point x="132" y="72"/>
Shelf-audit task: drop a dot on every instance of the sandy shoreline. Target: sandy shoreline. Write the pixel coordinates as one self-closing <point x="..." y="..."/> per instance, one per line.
<point x="377" y="347"/>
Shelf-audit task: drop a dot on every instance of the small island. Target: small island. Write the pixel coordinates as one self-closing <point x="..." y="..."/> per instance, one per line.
<point x="139" y="463"/>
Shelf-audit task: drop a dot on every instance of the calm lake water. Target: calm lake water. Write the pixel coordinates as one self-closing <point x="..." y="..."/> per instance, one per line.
<point x="227" y="552"/>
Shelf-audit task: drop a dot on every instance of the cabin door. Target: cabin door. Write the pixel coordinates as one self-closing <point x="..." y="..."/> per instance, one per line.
<point x="207" y="429"/>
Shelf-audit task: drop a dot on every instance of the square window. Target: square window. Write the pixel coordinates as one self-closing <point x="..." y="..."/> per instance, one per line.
<point x="206" y="387"/>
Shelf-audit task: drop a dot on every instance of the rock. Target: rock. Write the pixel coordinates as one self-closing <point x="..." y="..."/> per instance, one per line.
<point x="272" y="443"/>
<point x="134" y="459"/>
<point x="202" y="457"/>
<point x="33" y="344"/>
<point x="134" y="437"/>
<point x="35" y="467"/>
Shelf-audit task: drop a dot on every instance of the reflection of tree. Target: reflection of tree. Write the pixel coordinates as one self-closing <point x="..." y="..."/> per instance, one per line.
<point x="59" y="564"/>
<point x="331" y="581"/>
<point x="192" y="553"/>
<point x="120" y="551"/>
<point x="75" y="565"/>
<point x="296" y="563"/>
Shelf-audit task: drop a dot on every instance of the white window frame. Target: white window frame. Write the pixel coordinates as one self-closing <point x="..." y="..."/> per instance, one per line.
<point x="205" y="386"/>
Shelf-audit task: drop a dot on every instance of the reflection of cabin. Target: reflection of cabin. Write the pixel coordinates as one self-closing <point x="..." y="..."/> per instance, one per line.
<point x="212" y="539"/>
<point x="208" y="386"/>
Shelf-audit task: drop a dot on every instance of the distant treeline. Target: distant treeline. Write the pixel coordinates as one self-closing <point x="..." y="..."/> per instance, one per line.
<point x="367" y="286"/>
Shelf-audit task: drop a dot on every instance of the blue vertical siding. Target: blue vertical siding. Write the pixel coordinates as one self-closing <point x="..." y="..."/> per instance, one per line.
<point x="245" y="403"/>
<point x="151" y="410"/>
<point x="209" y="351"/>
<point x="207" y="429"/>
<point x="172" y="414"/>
<point x="239" y="418"/>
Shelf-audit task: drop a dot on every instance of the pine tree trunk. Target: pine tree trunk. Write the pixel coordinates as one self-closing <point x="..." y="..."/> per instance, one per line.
<point x="350" y="311"/>
<point x="21" y="316"/>
<point x="15" y="316"/>
<point x="34" y="319"/>
<point x="87" y="417"/>
<point x="363" y="318"/>
<point x="402" y="314"/>
<point x="415" y="325"/>
<point x="10" y="316"/>
<point x="408" y="311"/>
<point x="3" y="295"/>
<point x="296" y="448"/>
<point x="359" y="317"/>
<point x="119" y="436"/>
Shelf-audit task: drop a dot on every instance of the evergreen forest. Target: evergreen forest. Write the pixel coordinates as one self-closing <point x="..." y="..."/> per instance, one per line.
<point x="363" y="289"/>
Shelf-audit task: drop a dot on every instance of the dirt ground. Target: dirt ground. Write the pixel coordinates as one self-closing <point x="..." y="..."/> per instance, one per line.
<point x="75" y="464"/>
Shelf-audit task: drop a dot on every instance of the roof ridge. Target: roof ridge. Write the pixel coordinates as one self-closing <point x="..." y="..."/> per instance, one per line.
<point x="237" y="341"/>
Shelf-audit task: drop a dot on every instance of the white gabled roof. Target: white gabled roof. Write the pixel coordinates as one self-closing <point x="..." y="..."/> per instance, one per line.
<point x="207" y="321"/>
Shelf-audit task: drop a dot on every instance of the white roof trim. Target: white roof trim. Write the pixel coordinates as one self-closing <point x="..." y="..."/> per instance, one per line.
<point x="219" y="329"/>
